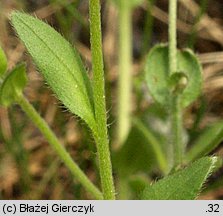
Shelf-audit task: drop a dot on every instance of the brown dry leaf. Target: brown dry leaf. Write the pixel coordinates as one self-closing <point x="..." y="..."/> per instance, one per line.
<point x="9" y="175"/>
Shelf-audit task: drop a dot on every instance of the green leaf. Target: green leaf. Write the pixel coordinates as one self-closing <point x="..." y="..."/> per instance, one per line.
<point x="158" y="78"/>
<point x="182" y="185"/>
<point x="209" y="139"/>
<point x="3" y="62"/>
<point x="13" y="85"/>
<point x="59" y="63"/>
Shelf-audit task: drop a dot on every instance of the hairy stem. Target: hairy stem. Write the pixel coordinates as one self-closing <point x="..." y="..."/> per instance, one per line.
<point x="177" y="128"/>
<point x="176" y="110"/>
<point x="100" y="132"/>
<point x="125" y="81"/>
<point x="56" y="145"/>
<point x="172" y="36"/>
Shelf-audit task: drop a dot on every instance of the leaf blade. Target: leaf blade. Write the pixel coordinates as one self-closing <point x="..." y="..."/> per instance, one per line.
<point x="156" y="74"/>
<point x="158" y="77"/>
<point x="59" y="63"/>
<point x="189" y="64"/>
<point x="182" y="185"/>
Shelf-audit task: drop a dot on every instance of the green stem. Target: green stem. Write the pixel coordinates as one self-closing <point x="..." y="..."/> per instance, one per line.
<point x="172" y="36"/>
<point x="160" y="156"/>
<point x="125" y="81"/>
<point x="176" y="110"/>
<point x="177" y="128"/>
<point x="100" y="133"/>
<point x="56" y="145"/>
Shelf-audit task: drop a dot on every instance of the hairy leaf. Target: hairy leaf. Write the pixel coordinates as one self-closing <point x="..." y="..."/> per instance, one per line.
<point x="157" y="75"/>
<point x="3" y="62"/>
<point x="182" y="185"/>
<point x="59" y="63"/>
<point x="206" y="142"/>
<point x="13" y="85"/>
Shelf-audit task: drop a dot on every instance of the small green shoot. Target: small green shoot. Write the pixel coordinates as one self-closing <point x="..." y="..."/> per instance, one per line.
<point x="13" y="85"/>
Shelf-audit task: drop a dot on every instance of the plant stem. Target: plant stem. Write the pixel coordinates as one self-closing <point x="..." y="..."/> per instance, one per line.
<point x="172" y="36"/>
<point x="177" y="128"/>
<point x="176" y="110"/>
<point x="100" y="133"/>
<point x="125" y="81"/>
<point x="56" y="145"/>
